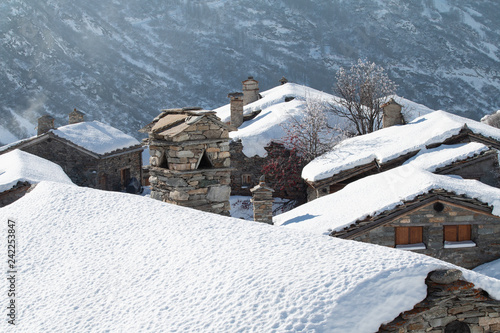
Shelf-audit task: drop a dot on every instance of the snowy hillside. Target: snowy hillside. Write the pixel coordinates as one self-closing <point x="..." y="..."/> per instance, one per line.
<point x="91" y="260"/>
<point x="120" y="62"/>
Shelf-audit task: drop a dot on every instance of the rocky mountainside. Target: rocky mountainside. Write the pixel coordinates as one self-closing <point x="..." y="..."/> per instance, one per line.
<point x="120" y="62"/>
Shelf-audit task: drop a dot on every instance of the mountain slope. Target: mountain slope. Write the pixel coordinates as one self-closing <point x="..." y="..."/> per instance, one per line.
<point x="122" y="61"/>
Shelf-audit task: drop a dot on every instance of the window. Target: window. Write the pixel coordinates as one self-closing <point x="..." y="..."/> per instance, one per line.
<point x="246" y="179"/>
<point x="458" y="236"/>
<point x="204" y="161"/>
<point x="409" y="238"/>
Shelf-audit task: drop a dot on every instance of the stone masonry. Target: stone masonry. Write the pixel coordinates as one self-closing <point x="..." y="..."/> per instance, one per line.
<point x="451" y="305"/>
<point x="485" y="233"/>
<point x="262" y="202"/>
<point x="190" y="160"/>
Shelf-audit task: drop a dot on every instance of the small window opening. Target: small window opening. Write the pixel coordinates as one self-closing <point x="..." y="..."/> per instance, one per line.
<point x="163" y="161"/>
<point x="246" y="179"/>
<point x="457" y="327"/>
<point x="438" y="207"/>
<point x="204" y="162"/>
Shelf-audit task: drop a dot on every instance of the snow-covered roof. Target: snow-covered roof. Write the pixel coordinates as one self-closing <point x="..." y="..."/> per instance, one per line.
<point x="102" y="261"/>
<point x="389" y="143"/>
<point x="444" y="155"/>
<point x="491" y="269"/>
<point x="373" y="195"/>
<point x="96" y="137"/>
<point x="255" y="134"/>
<point x="19" y="166"/>
<point x="93" y="136"/>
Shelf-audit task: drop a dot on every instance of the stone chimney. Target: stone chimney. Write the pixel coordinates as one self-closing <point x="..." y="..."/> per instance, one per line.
<point x="236" y="109"/>
<point x="250" y="90"/>
<point x="392" y="114"/>
<point x="45" y="123"/>
<point x="75" y="117"/>
<point x="283" y="80"/>
<point x="262" y="199"/>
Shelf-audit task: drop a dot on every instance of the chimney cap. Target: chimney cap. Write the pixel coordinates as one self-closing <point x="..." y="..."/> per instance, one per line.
<point x="235" y="95"/>
<point x="389" y="102"/>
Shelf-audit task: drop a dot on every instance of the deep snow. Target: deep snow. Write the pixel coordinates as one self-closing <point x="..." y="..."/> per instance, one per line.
<point x="91" y="260"/>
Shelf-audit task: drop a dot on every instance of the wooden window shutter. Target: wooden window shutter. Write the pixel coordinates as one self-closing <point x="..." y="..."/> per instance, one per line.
<point x="464" y="232"/>
<point x="457" y="233"/>
<point x="416" y="235"/>
<point x="450" y="233"/>
<point x="409" y="235"/>
<point x="402" y="235"/>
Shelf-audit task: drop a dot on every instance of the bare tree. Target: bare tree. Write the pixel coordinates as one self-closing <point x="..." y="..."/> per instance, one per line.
<point x="362" y="88"/>
<point x="310" y="133"/>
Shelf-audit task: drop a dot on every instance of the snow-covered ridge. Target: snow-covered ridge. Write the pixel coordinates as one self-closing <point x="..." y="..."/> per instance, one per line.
<point x="94" y="136"/>
<point x="19" y="166"/>
<point x="389" y="143"/>
<point x="375" y="194"/>
<point x="101" y="261"/>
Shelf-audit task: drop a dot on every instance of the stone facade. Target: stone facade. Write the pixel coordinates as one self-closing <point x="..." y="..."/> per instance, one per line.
<point x="262" y="202"/>
<point x="485" y="233"/>
<point x="451" y="305"/>
<point x="247" y="170"/>
<point x="104" y="172"/>
<point x="190" y="160"/>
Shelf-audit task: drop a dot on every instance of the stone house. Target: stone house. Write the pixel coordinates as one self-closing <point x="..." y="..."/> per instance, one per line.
<point x="92" y="154"/>
<point x="258" y="118"/>
<point x="452" y="219"/>
<point x="372" y="153"/>
<point x="19" y="171"/>
<point x="190" y="161"/>
<point x="440" y="224"/>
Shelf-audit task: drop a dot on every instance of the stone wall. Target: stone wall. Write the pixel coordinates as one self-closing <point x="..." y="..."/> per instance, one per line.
<point x="486" y="170"/>
<point x="207" y="190"/>
<point x="192" y="167"/>
<point x="451" y="305"/>
<point x="86" y="170"/>
<point x="485" y="233"/>
<point x="111" y="167"/>
<point x="81" y="168"/>
<point x="17" y="192"/>
<point x="243" y="166"/>
<point x="252" y="167"/>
